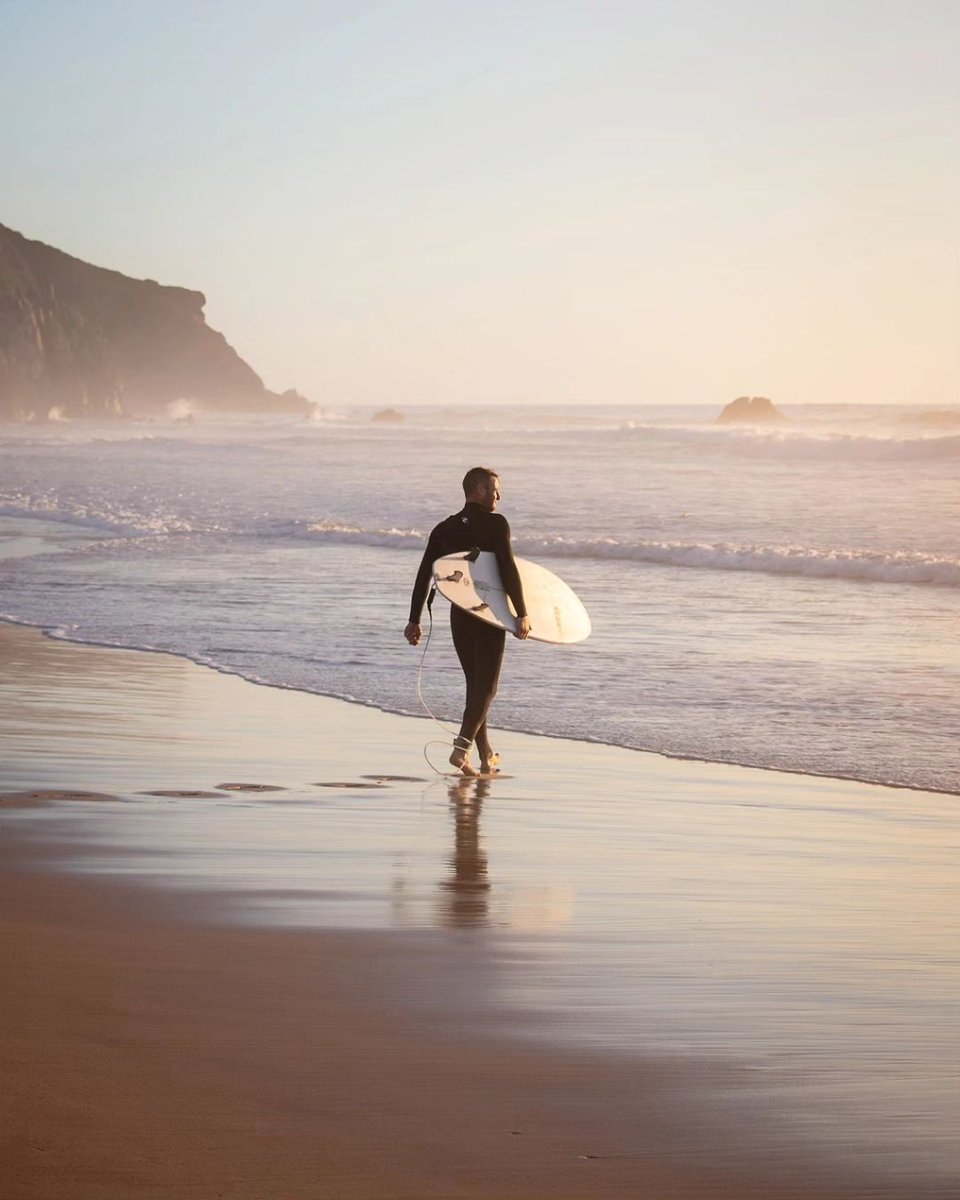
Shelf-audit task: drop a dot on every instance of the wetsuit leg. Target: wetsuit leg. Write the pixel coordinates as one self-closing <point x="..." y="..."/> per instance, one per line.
<point x="483" y="740"/>
<point x="479" y="647"/>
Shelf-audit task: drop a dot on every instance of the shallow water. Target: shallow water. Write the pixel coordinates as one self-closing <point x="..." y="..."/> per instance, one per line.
<point x="782" y="596"/>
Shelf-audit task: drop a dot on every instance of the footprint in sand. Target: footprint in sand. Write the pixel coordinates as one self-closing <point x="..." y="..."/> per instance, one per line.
<point x="184" y="794"/>
<point x="41" y="795"/>
<point x="342" y="784"/>
<point x="249" y="787"/>
<point x="397" y="778"/>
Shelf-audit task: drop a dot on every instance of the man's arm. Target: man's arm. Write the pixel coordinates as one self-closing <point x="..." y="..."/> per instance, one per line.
<point x="510" y="575"/>
<point x="420" y="589"/>
<point x="422" y="583"/>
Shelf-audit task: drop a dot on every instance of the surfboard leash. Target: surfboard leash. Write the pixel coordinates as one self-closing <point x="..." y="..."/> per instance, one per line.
<point x="426" y="707"/>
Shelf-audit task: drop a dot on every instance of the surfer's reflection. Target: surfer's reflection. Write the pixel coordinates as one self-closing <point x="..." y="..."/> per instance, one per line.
<point x="465" y="893"/>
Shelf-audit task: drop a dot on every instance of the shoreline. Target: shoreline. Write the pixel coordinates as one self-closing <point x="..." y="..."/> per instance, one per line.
<point x="50" y="631"/>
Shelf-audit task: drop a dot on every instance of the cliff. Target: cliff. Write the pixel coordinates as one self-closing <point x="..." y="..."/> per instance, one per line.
<point x="88" y="342"/>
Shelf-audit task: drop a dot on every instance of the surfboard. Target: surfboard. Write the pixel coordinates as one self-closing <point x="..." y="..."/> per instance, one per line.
<point x="471" y="581"/>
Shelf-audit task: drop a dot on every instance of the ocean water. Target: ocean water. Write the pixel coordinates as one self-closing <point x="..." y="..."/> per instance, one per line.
<point x="785" y="596"/>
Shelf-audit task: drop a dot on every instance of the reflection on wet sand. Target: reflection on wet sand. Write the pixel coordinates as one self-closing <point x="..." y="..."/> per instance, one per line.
<point x="465" y="893"/>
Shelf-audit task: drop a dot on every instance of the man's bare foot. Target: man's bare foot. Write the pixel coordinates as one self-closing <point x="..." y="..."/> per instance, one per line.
<point x="489" y="762"/>
<point x="460" y="758"/>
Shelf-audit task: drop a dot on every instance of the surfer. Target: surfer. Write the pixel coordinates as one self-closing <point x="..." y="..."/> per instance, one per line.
<point x="479" y="646"/>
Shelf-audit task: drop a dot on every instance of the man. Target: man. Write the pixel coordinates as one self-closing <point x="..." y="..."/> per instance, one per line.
<point x="479" y="646"/>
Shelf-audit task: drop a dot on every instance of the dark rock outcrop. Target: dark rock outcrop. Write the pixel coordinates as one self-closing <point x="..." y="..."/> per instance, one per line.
<point x="82" y="341"/>
<point x="387" y="415"/>
<point x="751" y="408"/>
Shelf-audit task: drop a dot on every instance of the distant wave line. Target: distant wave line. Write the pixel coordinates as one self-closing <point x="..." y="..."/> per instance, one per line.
<point x="901" y="567"/>
<point x="874" y="566"/>
<point x="863" y="565"/>
<point x="787" y="439"/>
<point x="790" y="441"/>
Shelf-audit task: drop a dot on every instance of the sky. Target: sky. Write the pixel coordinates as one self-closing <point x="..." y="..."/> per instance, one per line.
<point x="426" y="201"/>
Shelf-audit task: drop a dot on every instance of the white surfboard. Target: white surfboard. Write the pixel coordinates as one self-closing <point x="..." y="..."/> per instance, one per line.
<point x="555" y="611"/>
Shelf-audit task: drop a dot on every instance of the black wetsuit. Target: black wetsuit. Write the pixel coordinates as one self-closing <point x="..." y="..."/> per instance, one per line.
<point x="479" y="646"/>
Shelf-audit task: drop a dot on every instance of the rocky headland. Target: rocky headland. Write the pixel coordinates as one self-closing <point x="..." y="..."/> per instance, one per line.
<point x="81" y="341"/>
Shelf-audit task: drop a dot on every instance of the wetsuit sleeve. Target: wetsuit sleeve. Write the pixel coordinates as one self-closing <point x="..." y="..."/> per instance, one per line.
<point x="424" y="575"/>
<point x="507" y="564"/>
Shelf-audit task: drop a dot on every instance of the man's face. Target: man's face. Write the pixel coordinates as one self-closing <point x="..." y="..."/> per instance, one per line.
<point x="489" y="493"/>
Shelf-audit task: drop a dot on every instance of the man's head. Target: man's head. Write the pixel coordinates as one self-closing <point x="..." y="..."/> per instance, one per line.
<point x="481" y="485"/>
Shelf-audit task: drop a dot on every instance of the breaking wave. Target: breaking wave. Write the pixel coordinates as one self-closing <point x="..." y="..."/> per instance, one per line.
<point x="900" y="567"/>
<point x="874" y="566"/>
<point x="862" y="565"/>
<point x="344" y="533"/>
<point x="113" y="520"/>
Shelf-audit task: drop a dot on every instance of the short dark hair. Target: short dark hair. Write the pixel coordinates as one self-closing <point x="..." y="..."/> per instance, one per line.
<point x="477" y="475"/>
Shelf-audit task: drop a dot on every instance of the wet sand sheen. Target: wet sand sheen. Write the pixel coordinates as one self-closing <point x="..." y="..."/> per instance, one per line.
<point x="586" y="887"/>
<point x="145" y="1055"/>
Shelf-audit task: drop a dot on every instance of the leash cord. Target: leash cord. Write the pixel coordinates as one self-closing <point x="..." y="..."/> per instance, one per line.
<point x="426" y="707"/>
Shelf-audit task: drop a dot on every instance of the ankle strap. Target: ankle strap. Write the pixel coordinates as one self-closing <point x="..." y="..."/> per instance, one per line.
<point x="462" y="743"/>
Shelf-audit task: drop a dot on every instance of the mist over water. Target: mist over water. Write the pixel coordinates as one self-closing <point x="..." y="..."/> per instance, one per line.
<point x="785" y="596"/>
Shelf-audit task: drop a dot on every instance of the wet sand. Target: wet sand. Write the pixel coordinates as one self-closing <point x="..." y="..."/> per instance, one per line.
<point x="144" y="1054"/>
<point x="185" y="1017"/>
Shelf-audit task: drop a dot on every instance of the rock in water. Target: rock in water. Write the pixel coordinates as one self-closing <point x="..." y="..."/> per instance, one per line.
<point x="751" y="408"/>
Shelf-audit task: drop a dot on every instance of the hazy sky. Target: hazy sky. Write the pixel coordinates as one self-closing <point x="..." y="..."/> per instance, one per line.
<point x="415" y="201"/>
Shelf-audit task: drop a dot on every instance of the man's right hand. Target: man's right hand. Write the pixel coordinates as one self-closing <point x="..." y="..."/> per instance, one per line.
<point x="412" y="633"/>
<point x="522" y="630"/>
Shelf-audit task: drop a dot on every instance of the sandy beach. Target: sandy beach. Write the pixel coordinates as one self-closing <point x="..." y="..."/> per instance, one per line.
<point x="377" y="982"/>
